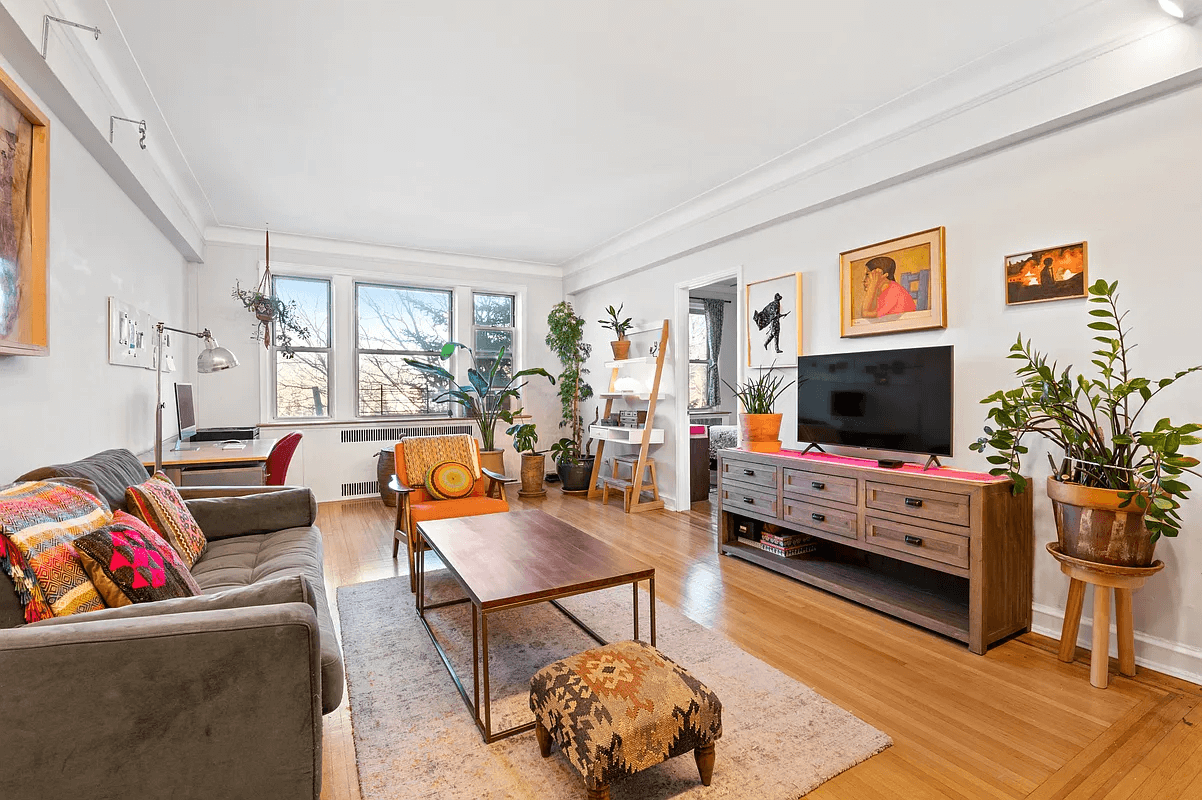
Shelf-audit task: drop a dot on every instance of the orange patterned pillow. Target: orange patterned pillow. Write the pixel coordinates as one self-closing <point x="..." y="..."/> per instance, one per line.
<point x="449" y="480"/>
<point x="158" y="504"/>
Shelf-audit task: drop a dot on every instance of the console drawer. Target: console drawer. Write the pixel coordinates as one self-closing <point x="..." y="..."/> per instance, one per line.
<point x="738" y="499"/>
<point x="830" y="488"/>
<point x="820" y="519"/>
<point x="946" y="548"/>
<point x="922" y="503"/>
<point x="750" y="473"/>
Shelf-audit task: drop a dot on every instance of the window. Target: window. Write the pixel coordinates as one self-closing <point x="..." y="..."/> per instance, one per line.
<point x="493" y="329"/>
<point x="394" y="323"/>
<point x="302" y="383"/>
<point x="699" y="357"/>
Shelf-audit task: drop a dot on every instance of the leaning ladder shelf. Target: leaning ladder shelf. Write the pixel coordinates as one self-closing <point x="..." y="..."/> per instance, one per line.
<point x="643" y="437"/>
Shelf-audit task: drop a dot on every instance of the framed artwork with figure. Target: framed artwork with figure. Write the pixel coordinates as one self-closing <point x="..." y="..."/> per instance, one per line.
<point x="894" y="286"/>
<point x="1054" y="273"/>
<point x="774" y="321"/>
<point x="24" y="217"/>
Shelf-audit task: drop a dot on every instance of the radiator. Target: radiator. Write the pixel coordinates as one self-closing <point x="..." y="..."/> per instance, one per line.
<point x="357" y="435"/>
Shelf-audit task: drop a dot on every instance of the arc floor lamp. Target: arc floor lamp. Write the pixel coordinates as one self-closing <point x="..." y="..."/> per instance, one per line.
<point x="212" y="359"/>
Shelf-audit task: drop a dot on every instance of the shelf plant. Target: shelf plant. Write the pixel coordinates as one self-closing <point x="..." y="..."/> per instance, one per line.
<point x="565" y="337"/>
<point x="759" y="422"/>
<point x="615" y="323"/>
<point x="484" y="395"/>
<point x="1133" y="478"/>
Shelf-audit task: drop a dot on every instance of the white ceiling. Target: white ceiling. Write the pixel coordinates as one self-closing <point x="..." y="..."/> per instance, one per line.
<point x="524" y="129"/>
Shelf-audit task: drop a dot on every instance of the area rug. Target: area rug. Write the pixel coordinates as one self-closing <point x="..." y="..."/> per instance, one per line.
<point x="414" y="737"/>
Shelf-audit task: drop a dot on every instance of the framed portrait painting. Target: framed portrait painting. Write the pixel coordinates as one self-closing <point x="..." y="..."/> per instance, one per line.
<point x="894" y="286"/>
<point x="773" y="316"/>
<point x="24" y="216"/>
<point x="1054" y="273"/>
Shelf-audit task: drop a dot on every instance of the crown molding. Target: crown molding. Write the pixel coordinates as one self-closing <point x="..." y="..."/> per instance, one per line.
<point x="1109" y="56"/>
<point x="380" y="253"/>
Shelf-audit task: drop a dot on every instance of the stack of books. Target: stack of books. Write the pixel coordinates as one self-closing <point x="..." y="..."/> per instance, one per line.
<point x="789" y="545"/>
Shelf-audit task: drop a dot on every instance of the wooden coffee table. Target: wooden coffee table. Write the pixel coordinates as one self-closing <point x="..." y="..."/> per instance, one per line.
<point x="515" y="559"/>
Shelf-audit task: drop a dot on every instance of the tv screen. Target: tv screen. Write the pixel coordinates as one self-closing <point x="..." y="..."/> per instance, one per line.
<point x="884" y="400"/>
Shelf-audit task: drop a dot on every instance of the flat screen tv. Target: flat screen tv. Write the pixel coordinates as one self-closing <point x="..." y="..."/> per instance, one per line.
<point x="897" y="400"/>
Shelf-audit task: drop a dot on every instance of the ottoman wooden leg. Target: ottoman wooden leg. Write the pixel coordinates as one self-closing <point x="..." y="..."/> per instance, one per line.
<point x="544" y="739"/>
<point x="598" y="792"/>
<point x="705" y="762"/>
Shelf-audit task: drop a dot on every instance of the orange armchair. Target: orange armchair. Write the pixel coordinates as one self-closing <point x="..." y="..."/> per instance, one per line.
<point x="414" y="505"/>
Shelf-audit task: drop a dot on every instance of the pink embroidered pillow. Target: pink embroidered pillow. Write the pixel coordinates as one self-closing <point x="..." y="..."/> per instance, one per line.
<point x="158" y="504"/>
<point x="130" y="563"/>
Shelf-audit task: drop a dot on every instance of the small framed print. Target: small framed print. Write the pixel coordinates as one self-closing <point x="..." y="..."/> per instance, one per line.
<point x="1054" y="273"/>
<point x="774" y="321"/>
<point x="894" y="286"/>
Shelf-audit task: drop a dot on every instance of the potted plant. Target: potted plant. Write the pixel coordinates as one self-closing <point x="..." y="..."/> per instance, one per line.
<point x="534" y="462"/>
<point x="269" y="309"/>
<point x="619" y="326"/>
<point x="759" y="424"/>
<point x="573" y="455"/>
<point x="1119" y="487"/>
<point x="483" y="397"/>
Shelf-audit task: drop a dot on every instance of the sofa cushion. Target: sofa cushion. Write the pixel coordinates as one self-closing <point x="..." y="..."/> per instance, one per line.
<point x="223" y="517"/>
<point x="40" y="520"/>
<point x="130" y="563"/>
<point x="113" y="471"/>
<point x="158" y="504"/>
<point x="243" y="560"/>
<point x="21" y="599"/>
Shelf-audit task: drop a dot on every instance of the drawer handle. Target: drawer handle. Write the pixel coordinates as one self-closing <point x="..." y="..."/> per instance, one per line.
<point x="914" y="540"/>
<point x="748" y="472"/>
<point x="749" y="500"/>
<point x="817" y="485"/>
<point x="818" y="517"/>
<point x="913" y="502"/>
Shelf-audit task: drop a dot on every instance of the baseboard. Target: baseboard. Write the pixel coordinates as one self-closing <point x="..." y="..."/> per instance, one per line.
<point x="1162" y="655"/>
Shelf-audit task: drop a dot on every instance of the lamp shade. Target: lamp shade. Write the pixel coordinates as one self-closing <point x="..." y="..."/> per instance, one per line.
<point x="214" y="358"/>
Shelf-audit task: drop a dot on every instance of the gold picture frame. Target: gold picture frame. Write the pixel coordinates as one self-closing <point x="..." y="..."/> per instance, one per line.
<point x="904" y="290"/>
<point x="25" y="198"/>
<point x="772" y="308"/>
<point x="1047" y="274"/>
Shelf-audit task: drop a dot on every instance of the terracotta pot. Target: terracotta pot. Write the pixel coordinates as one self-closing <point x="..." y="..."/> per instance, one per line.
<point x="574" y="478"/>
<point x="1091" y="524"/>
<point x="760" y="432"/>
<point x="385" y="468"/>
<point x="494" y="460"/>
<point x="621" y="349"/>
<point x="534" y="466"/>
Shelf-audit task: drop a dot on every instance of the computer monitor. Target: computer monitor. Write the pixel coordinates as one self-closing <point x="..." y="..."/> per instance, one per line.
<point x="185" y="413"/>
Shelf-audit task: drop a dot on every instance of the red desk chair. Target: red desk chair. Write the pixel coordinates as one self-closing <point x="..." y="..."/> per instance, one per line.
<point x="279" y="458"/>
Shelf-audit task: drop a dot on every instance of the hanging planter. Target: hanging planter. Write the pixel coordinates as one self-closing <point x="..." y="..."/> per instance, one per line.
<point x="270" y="311"/>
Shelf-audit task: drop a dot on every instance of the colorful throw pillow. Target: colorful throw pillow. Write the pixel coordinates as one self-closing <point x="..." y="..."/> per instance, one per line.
<point x="424" y="452"/>
<point x="130" y="563"/>
<point x="449" y="480"/>
<point x="33" y="603"/>
<point x="39" y="520"/>
<point x="158" y="504"/>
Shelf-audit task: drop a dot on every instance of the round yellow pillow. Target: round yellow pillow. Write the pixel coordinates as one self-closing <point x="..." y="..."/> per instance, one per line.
<point x="449" y="480"/>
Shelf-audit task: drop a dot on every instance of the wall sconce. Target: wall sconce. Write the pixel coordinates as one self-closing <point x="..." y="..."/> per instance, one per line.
<point x="141" y="123"/>
<point x="47" y="19"/>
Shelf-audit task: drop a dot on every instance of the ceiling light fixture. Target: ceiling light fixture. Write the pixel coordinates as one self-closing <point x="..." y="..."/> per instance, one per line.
<point x="1172" y="8"/>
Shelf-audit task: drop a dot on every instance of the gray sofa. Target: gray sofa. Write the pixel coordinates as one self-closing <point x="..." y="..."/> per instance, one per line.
<point x="216" y="696"/>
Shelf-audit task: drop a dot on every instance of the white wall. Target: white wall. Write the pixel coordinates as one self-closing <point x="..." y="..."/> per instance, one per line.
<point x="73" y="402"/>
<point x="240" y="396"/>
<point x="1130" y="184"/>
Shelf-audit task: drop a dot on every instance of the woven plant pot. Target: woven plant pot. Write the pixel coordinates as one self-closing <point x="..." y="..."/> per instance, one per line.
<point x="1093" y="525"/>
<point x="534" y="466"/>
<point x="493" y="460"/>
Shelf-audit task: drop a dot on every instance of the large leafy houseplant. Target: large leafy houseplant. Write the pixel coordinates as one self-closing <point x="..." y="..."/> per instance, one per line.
<point x="534" y="462"/>
<point x="565" y="337"/>
<point x="484" y="396"/>
<point x="1094" y="421"/>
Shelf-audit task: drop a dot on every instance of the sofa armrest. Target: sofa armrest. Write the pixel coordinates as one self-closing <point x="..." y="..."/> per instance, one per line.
<point x="224" y="516"/>
<point x="194" y="705"/>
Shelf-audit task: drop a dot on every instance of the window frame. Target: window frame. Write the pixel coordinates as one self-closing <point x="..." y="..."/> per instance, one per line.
<point x="356" y="351"/>
<point x="274" y="352"/>
<point x="512" y="328"/>
<point x="699" y="310"/>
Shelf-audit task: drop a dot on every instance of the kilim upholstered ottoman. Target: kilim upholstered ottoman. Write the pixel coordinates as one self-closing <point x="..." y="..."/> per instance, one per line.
<point x="621" y="708"/>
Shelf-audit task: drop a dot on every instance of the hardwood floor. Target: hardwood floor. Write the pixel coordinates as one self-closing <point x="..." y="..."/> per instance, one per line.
<point x="1013" y="723"/>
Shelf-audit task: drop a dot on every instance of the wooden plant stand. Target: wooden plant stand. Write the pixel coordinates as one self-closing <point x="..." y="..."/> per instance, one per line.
<point x="1103" y="577"/>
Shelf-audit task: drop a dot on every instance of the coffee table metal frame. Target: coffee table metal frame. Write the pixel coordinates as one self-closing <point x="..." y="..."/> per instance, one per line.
<point x="480" y="631"/>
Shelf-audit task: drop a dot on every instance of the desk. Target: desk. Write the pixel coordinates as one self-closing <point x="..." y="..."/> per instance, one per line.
<point x="207" y="464"/>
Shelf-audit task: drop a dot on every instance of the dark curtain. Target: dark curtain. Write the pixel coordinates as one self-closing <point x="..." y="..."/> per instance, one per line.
<point x="714" y="310"/>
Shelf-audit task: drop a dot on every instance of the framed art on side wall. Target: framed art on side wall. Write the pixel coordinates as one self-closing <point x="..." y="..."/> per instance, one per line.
<point x="774" y="321"/>
<point x="1054" y="273"/>
<point x="894" y="286"/>
<point x="24" y="217"/>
